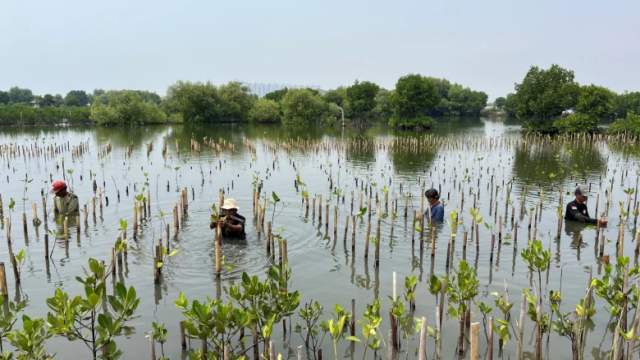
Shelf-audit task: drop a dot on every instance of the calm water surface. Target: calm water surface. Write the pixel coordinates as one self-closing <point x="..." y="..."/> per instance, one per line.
<point x="474" y="155"/>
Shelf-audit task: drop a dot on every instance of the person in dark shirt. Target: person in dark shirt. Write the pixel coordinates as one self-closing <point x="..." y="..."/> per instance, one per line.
<point x="436" y="209"/>
<point x="577" y="209"/>
<point x="232" y="223"/>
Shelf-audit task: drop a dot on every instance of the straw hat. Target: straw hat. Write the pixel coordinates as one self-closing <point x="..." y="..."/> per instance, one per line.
<point x="229" y="204"/>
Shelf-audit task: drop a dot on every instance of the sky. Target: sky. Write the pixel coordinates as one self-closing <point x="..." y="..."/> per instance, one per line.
<point x="55" y="46"/>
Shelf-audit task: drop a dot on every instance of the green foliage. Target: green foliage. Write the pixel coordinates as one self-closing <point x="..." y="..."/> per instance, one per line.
<point x="462" y="101"/>
<point x="49" y="100"/>
<point x="4" y="97"/>
<point x="235" y="102"/>
<point x="421" y="122"/>
<point x="266" y="302"/>
<point x="336" y="327"/>
<point x="462" y="288"/>
<point x="511" y="105"/>
<point x="610" y="287"/>
<point x="28" y="115"/>
<point x="276" y="95"/>
<point x="536" y="256"/>
<point x="596" y="101"/>
<point x="29" y="341"/>
<point x="302" y="107"/>
<point x="576" y="123"/>
<point x="410" y="283"/>
<point x="626" y="103"/>
<point x="539" y="317"/>
<point x="158" y="332"/>
<point x="384" y="105"/>
<point x="361" y="97"/>
<point x="331" y="116"/>
<point x="337" y="96"/>
<point x="76" y="98"/>
<point x="500" y="102"/>
<point x="8" y="317"/>
<point x="413" y="97"/>
<point x="194" y="102"/>
<point x="125" y="107"/>
<point x="309" y="330"/>
<point x="18" y="95"/>
<point x="543" y="95"/>
<point x="265" y="111"/>
<point x="628" y="125"/>
<point x="370" y="324"/>
<point x="88" y="318"/>
<point x="213" y="321"/>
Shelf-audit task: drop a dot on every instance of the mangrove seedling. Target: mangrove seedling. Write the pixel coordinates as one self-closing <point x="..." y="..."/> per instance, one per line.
<point x="336" y="327"/>
<point x="462" y="289"/>
<point x="538" y="259"/>
<point x="28" y="342"/>
<point x="158" y="334"/>
<point x="309" y="330"/>
<point x="215" y="323"/>
<point x="370" y="324"/>
<point x="8" y="317"/>
<point x="88" y="318"/>
<point x="610" y="287"/>
<point x="266" y="302"/>
<point x="572" y="324"/>
<point x="410" y="283"/>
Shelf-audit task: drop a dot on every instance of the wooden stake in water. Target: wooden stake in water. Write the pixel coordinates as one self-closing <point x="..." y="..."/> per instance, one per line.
<point x="475" y="334"/>
<point x="378" y="240"/>
<point x="422" y="349"/>
<point x="218" y="249"/>
<point x="4" y="291"/>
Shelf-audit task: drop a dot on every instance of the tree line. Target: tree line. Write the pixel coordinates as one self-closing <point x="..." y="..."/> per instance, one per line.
<point x="413" y="103"/>
<point x="551" y="101"/>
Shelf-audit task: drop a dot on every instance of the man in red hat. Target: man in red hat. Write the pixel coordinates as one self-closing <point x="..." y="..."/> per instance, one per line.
<point x="66" y="203"/>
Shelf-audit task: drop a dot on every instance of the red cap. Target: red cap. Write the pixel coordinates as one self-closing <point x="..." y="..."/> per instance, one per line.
<point x="58" y="186"/>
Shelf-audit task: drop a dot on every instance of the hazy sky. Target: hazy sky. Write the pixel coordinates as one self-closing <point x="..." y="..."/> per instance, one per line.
<point x="55" y="46"/>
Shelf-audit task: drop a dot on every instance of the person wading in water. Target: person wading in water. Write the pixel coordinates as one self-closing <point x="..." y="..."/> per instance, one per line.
<point x="230" y="220"/>
<point x="577" y="209"/>
<point x="65" y="202"/>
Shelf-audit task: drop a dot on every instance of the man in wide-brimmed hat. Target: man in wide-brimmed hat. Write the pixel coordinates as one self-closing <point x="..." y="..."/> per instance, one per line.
<point x="577" y="209"/>
<point x="65" y="202"/>
<point x="231" y="222"/>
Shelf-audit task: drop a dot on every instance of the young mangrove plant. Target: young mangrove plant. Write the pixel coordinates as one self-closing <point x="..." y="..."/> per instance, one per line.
<point x="370" y="324"/>
<point x="91" y="319"/>
<point x="336" y="328"/>
<point x="621" y="293"/>
<point x="29" y="341"/>
<point x="462" y="288"/>
<point x="572" y="325"/>
<point x="501" y="326"/>
<point x="8" y="317"/>
<point x="309" y="330"/>
<point x="265" y="302"/>
<point x="215" y="323"/>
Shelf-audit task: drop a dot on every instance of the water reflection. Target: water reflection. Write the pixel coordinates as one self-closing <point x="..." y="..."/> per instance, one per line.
<point x="552" y="163"/>
<point x="409" y="161"/>
<point x="131" y="136"/>
<point x="361" y="150"/>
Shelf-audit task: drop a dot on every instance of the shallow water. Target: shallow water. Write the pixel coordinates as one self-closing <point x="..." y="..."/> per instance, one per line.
<point x="472" y="156"/>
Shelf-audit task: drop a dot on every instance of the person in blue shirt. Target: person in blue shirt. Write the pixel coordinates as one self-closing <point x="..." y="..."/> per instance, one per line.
<point x="435" y="206"/>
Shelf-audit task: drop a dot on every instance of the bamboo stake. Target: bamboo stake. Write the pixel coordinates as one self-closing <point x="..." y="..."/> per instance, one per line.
<point x="474" y="348"/>
<point x="4" y="292"/>
<point x="219" y="249"/>
<point x="422" y="350"/>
